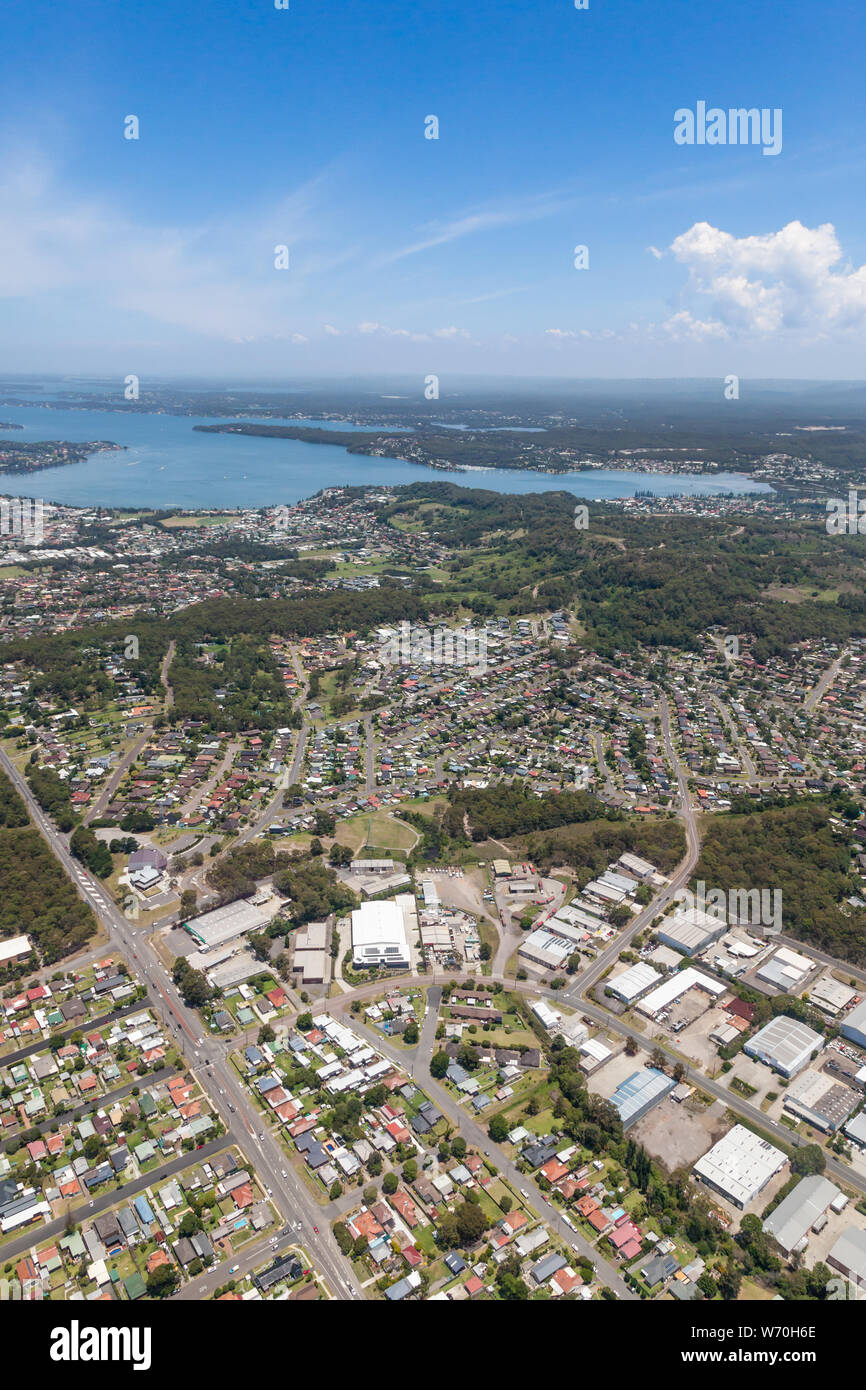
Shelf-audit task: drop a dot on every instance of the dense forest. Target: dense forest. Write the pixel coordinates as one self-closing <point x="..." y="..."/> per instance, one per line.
<point x="796" y="850"/>
<point x="52" y="793"/>
<point x="589" y="847"/>
<point x="38" y="899"/>
<point x="511" y="808"/>
<point x="708" y="441"/>
<point x="642" y="580"/>
<point x="314" y="891"/>
<point x="13" y="811"/>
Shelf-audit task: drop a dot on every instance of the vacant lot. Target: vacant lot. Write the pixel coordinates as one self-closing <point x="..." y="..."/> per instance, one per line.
<point x="678" y="1133"/>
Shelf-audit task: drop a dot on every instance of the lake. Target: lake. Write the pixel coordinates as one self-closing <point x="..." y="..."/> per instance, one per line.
<point x="167" y="464"/>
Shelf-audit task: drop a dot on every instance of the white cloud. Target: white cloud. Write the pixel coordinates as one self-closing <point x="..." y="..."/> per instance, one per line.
<point x="381" y="330"/>
<point x="216" y="278"/>
<point x="793" y="280"/>
<point x="682" y="327"/>
<point x="654" y="251"/>
<point x="559" y="333"/>
<point x="531" y="209"/>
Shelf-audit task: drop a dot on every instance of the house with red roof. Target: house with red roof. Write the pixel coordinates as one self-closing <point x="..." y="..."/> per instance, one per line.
<point x="405" y="1207"/>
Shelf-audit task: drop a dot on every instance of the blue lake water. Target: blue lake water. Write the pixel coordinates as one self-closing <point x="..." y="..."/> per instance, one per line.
<point x="166" y="463"/>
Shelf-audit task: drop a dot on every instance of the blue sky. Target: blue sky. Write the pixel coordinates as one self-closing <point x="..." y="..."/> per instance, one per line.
<point x="261" y="127"/>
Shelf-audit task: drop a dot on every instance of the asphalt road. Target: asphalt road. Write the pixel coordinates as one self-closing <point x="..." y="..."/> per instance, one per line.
<point x="85" y="1025"/>
<point x="32" y="1237"/>
<point x="205" y="1056"/>
<point x="417" y="1062"/>
<point x="99" y="1102"/>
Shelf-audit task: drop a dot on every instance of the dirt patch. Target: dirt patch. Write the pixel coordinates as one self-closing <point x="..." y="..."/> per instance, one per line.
<point x="678" y="1135"/>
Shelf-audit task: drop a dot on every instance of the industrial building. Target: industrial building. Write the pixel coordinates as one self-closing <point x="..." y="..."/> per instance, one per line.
<point x="542" y="948"/>
<point x="690" y="930"/>
<point x="678" y="985"/>
<point x="14" y="948"/>
<point x="227" y="923"/>
<point x="797" y="1214"/>
<point x="593" y="1054"/>
<point x="633" y="982"/>
<point x="785" y="1044"/>
<point x="854" y="1026"/>
<point x="239" y="967"/>
<point x="310" y="958"/>
<point x="379" y="936"/>
<point x="821" y="1099"/>
<point x="637" y="1095"/>
<point x="849" y="1255"/>
<point x="785" y="970"/>
<point x="831" y="996"/>
<point x="855" y="1130"/>
<point x="430" y="894"/>
<point x="739" y="1166"/>
<point x="638" y="868"/>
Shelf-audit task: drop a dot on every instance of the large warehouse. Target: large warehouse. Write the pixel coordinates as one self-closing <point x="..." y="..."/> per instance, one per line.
<point x="379" y="936"/>
<point x="785" y="1044"/>
<point x="675" y="986"/>
<point x="854" y="1026"/>
<point x="849" y="1254"/>
<point x="226" y="923"/>
<point x="14" y="948"/>
<point x="739" y="1166"/>
<point x="786" y="970"/>
<point x="797" y="1213"/>
<point x="633" y="982"/>
<point x="637" y="1095"/>
<point x="690" y="930"/>
<point x="821" y="1099"/>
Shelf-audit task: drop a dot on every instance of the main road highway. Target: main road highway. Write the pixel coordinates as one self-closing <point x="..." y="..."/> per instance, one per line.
<point x="206" y="1058"/>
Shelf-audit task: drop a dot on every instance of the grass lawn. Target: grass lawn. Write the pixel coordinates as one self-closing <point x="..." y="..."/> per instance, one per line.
<point x="423" y="1238"/>
<point x="200" y="519"/>
<point x="379" y="827"/>
<point x="750" y="1292"/>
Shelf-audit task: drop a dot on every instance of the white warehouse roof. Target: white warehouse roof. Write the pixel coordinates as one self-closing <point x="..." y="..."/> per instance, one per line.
<point x="740" y="1165"/>
<point x="378" y="933"/>
<point x="634" y="981"/>
<point x="676" y="986"/>
<point x="784" y="1043"/>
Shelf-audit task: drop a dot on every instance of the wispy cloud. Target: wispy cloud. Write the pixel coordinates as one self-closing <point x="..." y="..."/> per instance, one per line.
<point x="532" y="209"/>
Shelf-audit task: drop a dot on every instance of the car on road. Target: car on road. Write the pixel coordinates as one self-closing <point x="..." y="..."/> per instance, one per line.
<point x="232" y="1109"/>
<point x="234" y="1269"/>
<point x="523" y="1192"/>
<point x="315" y="1228"/>
<point x="284" y="1173"/>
